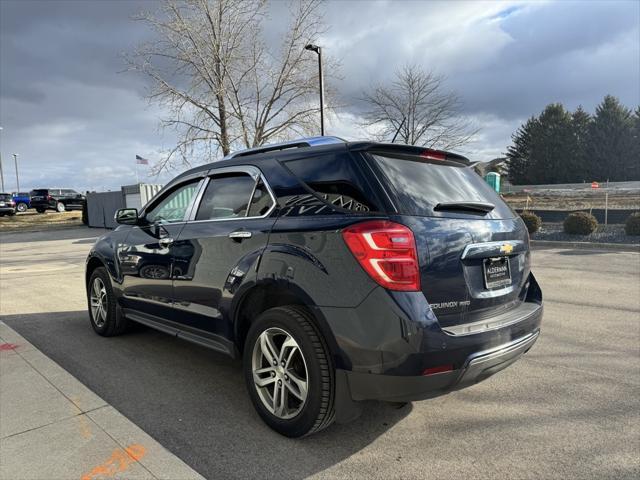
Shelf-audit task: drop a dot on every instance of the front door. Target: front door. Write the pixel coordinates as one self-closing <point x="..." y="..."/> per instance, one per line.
<point x="146" y="259"/>
<point x="218" y="250"/>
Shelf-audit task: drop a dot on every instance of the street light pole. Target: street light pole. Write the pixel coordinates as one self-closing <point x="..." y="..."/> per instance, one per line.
<point x="318" y="50"/>
<point x="1" y="173"/>
<point x="15" y="159"/>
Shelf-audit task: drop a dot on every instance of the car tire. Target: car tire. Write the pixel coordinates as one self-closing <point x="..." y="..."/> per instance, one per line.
<point x="40" y="210"/>
<point x="304" y="386"/>
<point x="60" y="207"/>
<point x="105" y="314"/>
<point x="21" y="207"/>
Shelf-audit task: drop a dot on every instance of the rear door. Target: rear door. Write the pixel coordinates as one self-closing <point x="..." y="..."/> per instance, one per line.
<point x="473" y="248"/>
<point x="218" y="248"/>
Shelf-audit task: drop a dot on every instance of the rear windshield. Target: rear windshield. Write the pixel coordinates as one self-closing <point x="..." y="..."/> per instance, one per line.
<point x="40" y="192"/>
<point x="5" y="196"/>
<point x="421" y="185"/>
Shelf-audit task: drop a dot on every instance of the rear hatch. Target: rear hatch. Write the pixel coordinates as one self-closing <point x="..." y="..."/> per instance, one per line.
<point x="39" y="196"/>
<point x="473" y="249"/>
<point x="6" y="200"/>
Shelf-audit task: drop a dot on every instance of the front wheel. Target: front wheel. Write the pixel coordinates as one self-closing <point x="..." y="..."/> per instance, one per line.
<point x="288" y="372"/>
<point x="106" y="316"/>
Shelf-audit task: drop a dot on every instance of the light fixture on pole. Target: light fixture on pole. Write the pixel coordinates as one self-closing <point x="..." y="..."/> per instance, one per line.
<point x="315" y="48"/>
<point x="15" y="159"/>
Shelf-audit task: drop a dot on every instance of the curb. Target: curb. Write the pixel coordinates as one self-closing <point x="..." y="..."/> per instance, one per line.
<point x="620" y="247"/>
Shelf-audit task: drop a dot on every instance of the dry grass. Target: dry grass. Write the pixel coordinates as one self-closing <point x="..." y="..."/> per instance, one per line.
<point x="572" y="200"/>
<point x="40" y="221"/>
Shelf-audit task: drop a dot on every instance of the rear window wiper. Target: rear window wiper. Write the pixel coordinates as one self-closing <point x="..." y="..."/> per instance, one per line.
<point x="465" y="206"/>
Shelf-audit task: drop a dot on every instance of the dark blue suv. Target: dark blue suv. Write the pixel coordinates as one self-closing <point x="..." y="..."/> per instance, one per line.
<point x="338" y="271"/>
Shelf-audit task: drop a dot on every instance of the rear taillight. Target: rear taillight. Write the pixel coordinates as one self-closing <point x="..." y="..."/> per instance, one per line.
<point x="387" y="252"/>
<point x="49" y="197"/>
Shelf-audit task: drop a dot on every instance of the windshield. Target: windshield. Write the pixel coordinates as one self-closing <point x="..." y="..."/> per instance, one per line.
<point x="5" y="196"/>
<point x="421" y="185"/>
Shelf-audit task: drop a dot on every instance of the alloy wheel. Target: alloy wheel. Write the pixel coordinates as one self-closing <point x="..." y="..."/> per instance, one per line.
<point x="99" y="302"/>
<point x="280" y="373"/>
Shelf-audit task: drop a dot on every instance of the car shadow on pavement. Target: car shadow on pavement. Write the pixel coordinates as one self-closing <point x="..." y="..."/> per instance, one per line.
<point x="193" y="400"/>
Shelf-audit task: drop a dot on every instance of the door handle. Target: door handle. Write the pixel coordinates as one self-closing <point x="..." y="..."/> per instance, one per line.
<point x="165" y="242"/>
<point x="240" y="234"/>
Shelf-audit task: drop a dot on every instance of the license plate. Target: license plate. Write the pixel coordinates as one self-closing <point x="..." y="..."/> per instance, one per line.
<point x="497" y="272"/>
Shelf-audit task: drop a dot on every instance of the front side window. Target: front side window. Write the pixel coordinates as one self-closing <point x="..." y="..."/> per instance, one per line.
<point x="226" y="196"/>
<point x="173" y="207"/>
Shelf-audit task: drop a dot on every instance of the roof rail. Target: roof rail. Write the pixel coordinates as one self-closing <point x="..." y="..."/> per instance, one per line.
<point x="301" y="142"/>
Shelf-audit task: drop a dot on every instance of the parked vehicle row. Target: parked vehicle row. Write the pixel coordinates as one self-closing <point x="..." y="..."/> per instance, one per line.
<point x="338" y="272"/>
<point x="43" y="199"/>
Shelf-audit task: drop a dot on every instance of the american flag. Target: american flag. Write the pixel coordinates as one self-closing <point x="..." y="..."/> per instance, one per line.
<point x="141" y="161"/>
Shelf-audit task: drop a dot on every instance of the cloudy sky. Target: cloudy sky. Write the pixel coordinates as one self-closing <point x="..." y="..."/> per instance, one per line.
<point x="77" y="120"/>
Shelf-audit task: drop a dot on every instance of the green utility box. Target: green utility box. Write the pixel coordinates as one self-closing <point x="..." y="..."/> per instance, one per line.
<point x="493" y="179"/>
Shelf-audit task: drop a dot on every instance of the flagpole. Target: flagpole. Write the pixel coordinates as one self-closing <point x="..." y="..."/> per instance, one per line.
<point x="137" y="180"/>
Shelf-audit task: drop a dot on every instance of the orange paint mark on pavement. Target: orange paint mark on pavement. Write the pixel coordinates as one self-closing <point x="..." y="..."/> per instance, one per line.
<point x="119" y="461"/>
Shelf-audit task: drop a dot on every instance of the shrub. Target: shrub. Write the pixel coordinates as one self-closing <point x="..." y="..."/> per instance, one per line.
<point x="580" y="223"/>
<point x="532" y="221"/>
<point x="632" y="225"/>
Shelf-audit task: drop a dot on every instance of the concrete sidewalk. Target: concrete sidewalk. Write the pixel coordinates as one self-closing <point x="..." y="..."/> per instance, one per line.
<point x="53" y="427"/>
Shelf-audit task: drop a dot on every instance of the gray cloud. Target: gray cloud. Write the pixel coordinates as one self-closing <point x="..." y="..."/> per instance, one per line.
<point x="76" y="120"/>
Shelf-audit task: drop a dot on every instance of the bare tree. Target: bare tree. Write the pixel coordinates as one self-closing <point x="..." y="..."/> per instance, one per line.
<point x="221" y="86"/>
<point x="416" y="106"/>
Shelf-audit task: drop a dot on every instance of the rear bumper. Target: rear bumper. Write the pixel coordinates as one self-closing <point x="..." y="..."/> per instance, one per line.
<point x="479" y="366"/>
<point x="7" y="210"/>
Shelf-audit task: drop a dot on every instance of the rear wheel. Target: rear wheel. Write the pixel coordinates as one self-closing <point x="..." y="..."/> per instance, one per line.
<point x="288" y="372"/>
<point x="60" y="207"/>
<point x="40" y="210"/>
<point x="106" y="316"/>
<point x="21" y="207"/>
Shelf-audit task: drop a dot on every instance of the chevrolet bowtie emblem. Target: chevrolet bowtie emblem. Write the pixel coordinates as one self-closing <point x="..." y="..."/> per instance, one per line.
<point x="506" y="248"/>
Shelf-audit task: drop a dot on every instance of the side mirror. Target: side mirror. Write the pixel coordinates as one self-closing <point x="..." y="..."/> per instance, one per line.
<point x="126" y="216"/>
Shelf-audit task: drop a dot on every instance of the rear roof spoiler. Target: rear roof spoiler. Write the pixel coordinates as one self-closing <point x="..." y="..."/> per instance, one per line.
<point x="299" y="143"/>
<point x="399" y="149"/>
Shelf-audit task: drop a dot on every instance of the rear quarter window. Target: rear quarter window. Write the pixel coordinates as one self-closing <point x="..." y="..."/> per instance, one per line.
<point x="419" y="185"/>
<point x="335" y="180"/>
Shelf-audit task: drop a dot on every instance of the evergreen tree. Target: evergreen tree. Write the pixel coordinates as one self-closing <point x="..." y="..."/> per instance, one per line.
<point x="580" y="126"/>
<point x="518" y="153"/>
<point x="611" y="141"/>
<point x="551" y="156"/>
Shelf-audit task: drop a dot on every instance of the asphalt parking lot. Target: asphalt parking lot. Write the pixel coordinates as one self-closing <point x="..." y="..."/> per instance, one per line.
<point x="569" y="409"/>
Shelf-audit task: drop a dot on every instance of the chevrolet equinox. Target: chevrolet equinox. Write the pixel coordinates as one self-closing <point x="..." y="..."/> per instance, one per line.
<point x="338" y="271"/>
